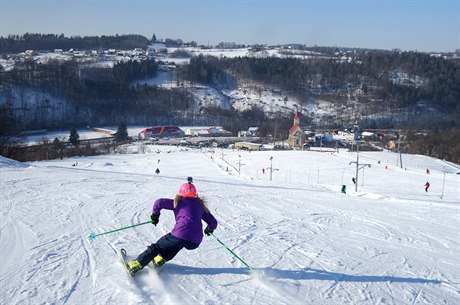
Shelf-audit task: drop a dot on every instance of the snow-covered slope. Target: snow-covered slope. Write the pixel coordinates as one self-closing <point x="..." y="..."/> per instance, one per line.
<point x="30" y="104"/>
<point x="389" y="243"/>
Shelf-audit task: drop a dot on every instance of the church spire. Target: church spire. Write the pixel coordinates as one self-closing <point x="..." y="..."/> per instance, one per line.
<point x="296" y="118"/>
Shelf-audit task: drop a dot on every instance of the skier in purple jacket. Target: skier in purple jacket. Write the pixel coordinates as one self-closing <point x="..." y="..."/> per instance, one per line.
<point x="189" y="210"/>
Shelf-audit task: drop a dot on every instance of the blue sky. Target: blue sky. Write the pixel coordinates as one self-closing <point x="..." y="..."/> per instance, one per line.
<point x="422" y="25"/>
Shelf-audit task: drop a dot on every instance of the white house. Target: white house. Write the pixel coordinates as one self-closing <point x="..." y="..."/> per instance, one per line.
<point x="253" y="131"/>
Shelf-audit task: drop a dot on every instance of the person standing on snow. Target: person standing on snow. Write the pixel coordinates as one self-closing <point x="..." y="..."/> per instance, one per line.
<point x="427" y="186"/>
<point x="189" y="210"/>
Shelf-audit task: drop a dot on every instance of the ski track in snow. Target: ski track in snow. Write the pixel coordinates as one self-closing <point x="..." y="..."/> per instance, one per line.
<point x="307" y="243"/>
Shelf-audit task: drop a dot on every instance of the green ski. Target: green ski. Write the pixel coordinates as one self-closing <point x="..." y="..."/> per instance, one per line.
<point x="122" y="255"/>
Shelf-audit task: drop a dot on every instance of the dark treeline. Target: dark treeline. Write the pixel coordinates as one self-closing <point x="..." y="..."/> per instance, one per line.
<point x="390" y="80"/>
<point x="68" y="76"/>
<point x="103" y="96"/>
<point x="31" y="41"/>
<point x="396" y="79"/>
<point x="442" y="145"/>
<point x="126" y="72"/>
<point x="108" y="95"/>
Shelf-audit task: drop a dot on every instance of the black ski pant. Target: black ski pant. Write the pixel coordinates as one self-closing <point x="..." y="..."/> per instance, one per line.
<point x="167" y="246"/>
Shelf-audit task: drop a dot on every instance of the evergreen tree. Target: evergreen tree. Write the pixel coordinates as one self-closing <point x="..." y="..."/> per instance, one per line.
<point x="74" y="137"/>
<point x="58" y="147"/>
<point x="122" y="133"/>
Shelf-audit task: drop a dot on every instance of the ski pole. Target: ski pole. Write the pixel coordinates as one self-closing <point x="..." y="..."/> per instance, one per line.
<point x="241" y="260"/>
<point x="92" y="236"/>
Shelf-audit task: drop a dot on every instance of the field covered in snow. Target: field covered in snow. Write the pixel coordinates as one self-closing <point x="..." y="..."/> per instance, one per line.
<point x="389" y="243"/>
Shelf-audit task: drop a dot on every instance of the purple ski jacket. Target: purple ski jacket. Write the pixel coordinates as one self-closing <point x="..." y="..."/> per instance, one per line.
<point x="188" y="214"/>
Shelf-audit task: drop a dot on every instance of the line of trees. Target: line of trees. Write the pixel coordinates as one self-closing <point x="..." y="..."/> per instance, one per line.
<point x="60" y="148"/>
<point x="374" y="73"/>
<point x="105" y="96"/>
<point x="108" y="94"/>
<point x="440" y="144"/>
<point x="34" y="41"/>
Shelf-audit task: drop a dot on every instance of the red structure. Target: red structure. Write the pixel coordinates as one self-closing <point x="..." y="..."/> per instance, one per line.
<point x="161" y="132"/>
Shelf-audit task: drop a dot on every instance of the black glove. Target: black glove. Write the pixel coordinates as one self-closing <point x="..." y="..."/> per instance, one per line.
<point x="207" y="231"/>
<point x="155" y="218"/>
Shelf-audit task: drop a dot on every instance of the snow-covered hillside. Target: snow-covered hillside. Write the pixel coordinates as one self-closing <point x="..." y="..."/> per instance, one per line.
<point x="30" y="104"/>
<point x="389" y="243"/>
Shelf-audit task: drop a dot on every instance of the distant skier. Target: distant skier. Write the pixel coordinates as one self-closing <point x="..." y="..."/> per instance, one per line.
<point x="189" y="210"/>
<point x="427" y="186"/>
<point x="353" y="180"/>
<point x="157" y="171"/>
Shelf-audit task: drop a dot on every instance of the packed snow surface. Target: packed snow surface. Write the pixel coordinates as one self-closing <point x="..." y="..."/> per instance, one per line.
<point x="388" y="243"/>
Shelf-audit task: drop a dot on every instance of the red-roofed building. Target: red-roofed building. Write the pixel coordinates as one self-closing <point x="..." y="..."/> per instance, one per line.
<point x="297" y="136"/>
<point x="161" y="132"/>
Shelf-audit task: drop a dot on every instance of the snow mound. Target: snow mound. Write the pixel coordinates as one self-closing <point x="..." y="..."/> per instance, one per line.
<point x="5" y="162"/>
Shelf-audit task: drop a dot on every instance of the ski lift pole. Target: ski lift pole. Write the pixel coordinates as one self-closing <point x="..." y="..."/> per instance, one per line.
<point x="234" y="254"/>
<point x="92" y="236"/>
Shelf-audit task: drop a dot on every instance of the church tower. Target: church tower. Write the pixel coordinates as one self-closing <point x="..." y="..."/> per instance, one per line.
<point x="297" y="136"/>
<point x="296" y="118"/>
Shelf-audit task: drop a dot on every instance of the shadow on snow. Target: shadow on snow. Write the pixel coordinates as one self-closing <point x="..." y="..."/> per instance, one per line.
<point x="304" y="274"/>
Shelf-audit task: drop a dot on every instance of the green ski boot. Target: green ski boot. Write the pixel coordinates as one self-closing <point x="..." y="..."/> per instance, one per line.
<point x="158" y="261"/>
<point x="133" y="266"/>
